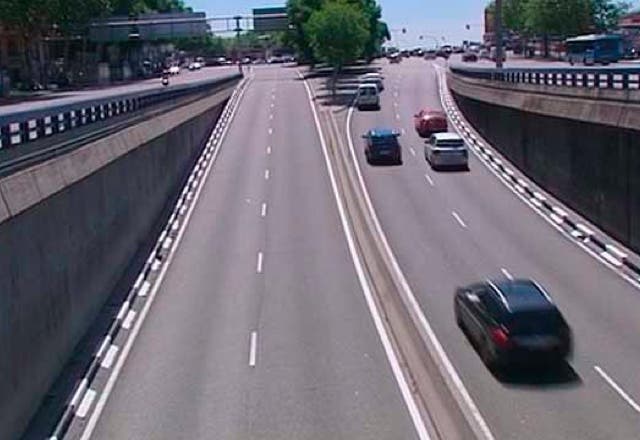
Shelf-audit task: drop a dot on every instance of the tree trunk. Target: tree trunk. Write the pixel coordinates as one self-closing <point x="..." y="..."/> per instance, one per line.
<point x="545" y="45"/>
<point x="334" y="81"/>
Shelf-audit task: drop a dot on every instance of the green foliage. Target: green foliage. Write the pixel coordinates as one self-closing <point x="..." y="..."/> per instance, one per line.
<point x="606" y="14"/>
<point x="338" y="33"/>
<point x="561" y="17"/>
<point x="558" y="17"/>
<point x="300" y="11"/>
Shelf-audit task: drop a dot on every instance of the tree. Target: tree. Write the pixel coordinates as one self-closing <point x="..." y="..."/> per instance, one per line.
<point x="299" y="13"/>
<point x="557" y="17"/>
<point x="605" y="14"/>
<point x="338" y="33"/>
<point x="31" y="20"/>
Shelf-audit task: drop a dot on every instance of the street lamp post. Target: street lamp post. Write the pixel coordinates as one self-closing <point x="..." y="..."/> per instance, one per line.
<point x="498" y="25"/>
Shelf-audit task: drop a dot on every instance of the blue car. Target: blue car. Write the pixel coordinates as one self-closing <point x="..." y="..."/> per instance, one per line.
<point x="381" y="145"/>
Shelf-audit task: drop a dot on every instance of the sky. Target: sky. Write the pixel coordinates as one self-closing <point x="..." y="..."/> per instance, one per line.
<point x="444" y="20"/>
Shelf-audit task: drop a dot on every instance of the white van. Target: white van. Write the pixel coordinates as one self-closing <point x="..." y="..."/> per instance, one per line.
<point x="446" y="150"/>
<point x="368" y="96"/>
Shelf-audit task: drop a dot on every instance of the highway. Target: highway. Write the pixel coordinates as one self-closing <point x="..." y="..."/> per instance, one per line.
<point x="61" y="98"/>
<point x="451" y="228"/>
<point x="260" y="328"/>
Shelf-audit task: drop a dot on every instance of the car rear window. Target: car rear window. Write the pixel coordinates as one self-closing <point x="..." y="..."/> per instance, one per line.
<point x="367" y="91"/>
<point x="534" y="321"/>
<point x="450" y="143"/>
<point x="523" y="295"/>
<point x="381" y="141"/>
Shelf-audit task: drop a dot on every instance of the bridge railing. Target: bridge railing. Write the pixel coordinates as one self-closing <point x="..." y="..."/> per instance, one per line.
<point x="27" y="126"/>
<point x="599" y="78"/>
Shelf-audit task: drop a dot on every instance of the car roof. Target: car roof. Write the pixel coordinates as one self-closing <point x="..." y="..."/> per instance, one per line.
<point x="447" y="136"/>
<point x="522" y="294"/>
<point x="368" y="85"/>
<point x="382" y="132"/>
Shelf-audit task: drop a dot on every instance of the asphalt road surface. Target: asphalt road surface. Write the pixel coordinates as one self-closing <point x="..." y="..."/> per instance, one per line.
<point x="62" y="98"/>
<point x="260" y="328"/>
<point x="452" y="228"/>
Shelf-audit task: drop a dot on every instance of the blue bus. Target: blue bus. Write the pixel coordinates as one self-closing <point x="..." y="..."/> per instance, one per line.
<point x="592" y="49"/>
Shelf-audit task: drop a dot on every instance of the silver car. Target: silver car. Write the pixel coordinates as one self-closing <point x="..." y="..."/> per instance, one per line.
<point x="446" y="150"/>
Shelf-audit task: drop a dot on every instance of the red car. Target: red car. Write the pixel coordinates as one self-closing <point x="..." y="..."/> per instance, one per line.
<point x="428" y="122"/>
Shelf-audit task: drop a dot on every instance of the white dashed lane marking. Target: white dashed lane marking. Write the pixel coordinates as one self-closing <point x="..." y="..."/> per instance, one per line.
<point x="458" y="219"/>
<point x="263" y="211"/>
<point x="506" y="273"/>
<point x="253" y="348"/>
<point x="260" y="262"/>
<point x="429" y="179"/>
<point x="618" y="389"/>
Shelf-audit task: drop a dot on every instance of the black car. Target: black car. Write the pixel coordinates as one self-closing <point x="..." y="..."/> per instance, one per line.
<point x="512" y="322"/>
<point x="469" y="57"/>
<point x="381" y="145"/>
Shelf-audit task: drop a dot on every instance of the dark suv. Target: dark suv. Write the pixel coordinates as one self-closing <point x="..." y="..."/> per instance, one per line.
<point x="512" y="322"/>
<point x="381" y="145"/>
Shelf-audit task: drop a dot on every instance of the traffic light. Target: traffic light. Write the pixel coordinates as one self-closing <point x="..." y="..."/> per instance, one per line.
<point x="404" y="30"/>
<point x="468" y="26"/>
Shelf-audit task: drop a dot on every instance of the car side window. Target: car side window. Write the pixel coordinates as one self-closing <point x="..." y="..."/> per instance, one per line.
<point x="489" y="303"/>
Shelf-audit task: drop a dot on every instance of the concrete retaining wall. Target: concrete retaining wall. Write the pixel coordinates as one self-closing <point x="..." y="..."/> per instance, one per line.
<point x="68" y="230"/>
<point x="585" y="152"/>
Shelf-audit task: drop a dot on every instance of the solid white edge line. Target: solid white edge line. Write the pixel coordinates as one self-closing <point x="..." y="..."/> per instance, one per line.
<point x="488" y="165"/>
<point x="253" y="347"/>
<point x="447" y="369"/>
<point x="618" y="389"/>
<point x="405" y="390"/>
<point x="115" y="373"/>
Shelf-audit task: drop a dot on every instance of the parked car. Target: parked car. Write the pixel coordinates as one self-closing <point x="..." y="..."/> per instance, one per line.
<point x="174" y="70"/>
<point x="368" y="96"/>
<point x="395" y="58"/>
<point x="381" y="145"/>
<point x="441" y="53"/>
<point x="512" y="322"/>
<point x="469" y="57"/>
<point x="446" y="150"/>
<point x="428" y="121"/>
<point x="430" y="54"/>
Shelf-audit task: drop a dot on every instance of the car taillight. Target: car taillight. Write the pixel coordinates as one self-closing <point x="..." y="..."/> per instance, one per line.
<point x="501" y="337"/>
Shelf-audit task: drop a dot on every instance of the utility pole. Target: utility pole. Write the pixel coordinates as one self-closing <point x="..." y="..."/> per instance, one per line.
<point x="498" y="26"/>
<point x="237" y="30"/>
